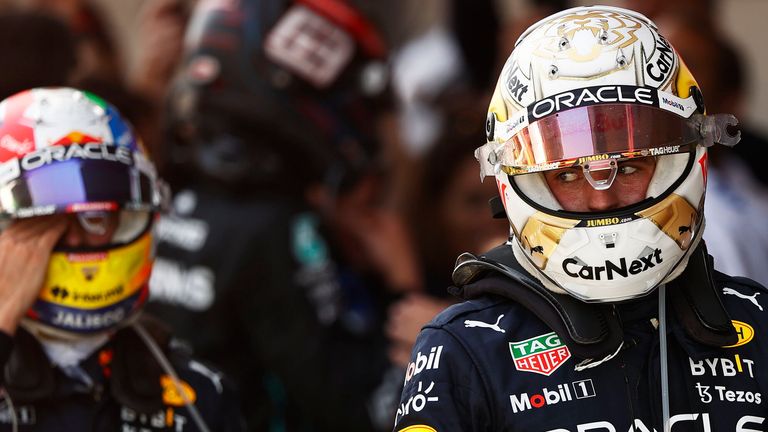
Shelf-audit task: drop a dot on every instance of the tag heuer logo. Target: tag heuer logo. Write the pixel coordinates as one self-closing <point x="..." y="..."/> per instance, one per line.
<point x="541" y="354"/>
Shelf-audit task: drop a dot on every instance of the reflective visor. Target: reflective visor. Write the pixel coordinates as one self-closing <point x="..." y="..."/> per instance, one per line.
<point x="590" y="133"/>
<point x="77" y="185"/>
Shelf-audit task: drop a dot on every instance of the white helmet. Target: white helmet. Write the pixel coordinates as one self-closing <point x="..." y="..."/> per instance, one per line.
<point x="589" y="87"/>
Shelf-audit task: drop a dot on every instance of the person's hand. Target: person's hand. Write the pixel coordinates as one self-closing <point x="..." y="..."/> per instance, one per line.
<point x="25" y="248"/>
<point x="388" y="247"/>
<point x="373" y="235"/>
<point x="405" y="320"/>
<point x="161" y="42"/>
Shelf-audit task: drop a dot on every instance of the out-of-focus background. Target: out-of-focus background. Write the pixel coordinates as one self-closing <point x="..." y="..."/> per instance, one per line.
<point x="741" y="21"/>
<point x="321" y="201"/>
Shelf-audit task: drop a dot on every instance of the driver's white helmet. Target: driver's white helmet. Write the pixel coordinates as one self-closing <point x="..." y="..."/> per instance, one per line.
<point x="589" y="87"/>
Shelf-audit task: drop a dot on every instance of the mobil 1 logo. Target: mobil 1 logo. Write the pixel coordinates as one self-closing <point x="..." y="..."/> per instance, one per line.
<point x="551" y="396"/>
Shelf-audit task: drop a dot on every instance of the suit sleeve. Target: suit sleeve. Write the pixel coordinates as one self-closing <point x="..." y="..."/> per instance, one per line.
<point x="443" y="389"/>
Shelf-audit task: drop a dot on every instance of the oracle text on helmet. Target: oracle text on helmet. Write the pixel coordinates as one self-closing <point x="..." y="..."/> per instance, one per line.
<point x="46" y="155"/>
<point x="592" y="96"/>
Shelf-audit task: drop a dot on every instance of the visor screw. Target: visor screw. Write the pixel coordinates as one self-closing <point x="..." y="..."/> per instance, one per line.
<point x="490" y="126"/>
<point x="493" y="158"/>
<point x="621" y="61"/>
<point x="698" y="98"/>
<point x="553" y="72"/>
<point x="564" y="44"/>
<point x="603" y="37"/>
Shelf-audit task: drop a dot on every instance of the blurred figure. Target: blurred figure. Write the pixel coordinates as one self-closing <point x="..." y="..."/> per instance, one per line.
<point x="79" y="200"/>
<point x="518" y="15"/>
<point x="160" y="40"/>
<point x="450" y="215"/>
<point x="38" y="50"/>
<point x="42" y="49"/>
<point x="97" y="55"/>
<point x="279" y="242"/>
<point x="736" y="196"/>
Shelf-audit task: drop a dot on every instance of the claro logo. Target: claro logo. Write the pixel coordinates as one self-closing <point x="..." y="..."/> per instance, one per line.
<point x="610" y="270"/>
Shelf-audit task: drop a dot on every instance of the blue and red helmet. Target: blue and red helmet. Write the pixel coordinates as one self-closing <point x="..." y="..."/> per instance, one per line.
<point x="68" y="151"/>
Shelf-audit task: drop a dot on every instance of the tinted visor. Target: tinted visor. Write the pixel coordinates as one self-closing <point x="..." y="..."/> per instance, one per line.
<point x="589" y="133"/>
<point x="78" y="185"/>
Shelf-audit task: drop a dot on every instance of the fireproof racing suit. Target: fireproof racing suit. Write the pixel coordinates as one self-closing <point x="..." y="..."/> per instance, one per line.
<point x="284" y="317"/>
<point x="120" y="387"/>
<point x="491" y="364"/>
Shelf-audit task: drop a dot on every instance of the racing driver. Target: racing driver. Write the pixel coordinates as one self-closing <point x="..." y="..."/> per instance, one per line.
<point x="603" y="311"/>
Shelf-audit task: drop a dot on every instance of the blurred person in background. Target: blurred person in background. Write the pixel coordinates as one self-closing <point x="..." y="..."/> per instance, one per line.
<point x="47" y="45"/>
<point x="79" y="201"/>
<point x="97" y="55"/>
<point x="38" y="50"/>
<point x="279" y="242"/>
<point x="449" y="215"/>
<point x="737" y="195"/>
<point x="160" y="46"/>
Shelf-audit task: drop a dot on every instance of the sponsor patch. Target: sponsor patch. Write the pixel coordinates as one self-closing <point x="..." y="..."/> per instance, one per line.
<point x="709" y="393"/>
<point x="720" y="366"/>
<point x="419" y="401"/>
<point x="418" y="428"/>
<point x="750" y="298"/>
<point x="171" y="395"/>
<point x="562" y="393"/>
<point x="595" y="95"/>
<point x="492" y="326"/>
<point x="662" y="63"/>
<point x="576" y="268"/>
<point x="744" y="331"/>
<point x="541" y="354"/>
<point x="430" y="361"/>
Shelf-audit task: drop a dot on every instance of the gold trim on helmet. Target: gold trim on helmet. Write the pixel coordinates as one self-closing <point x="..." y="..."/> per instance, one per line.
<point x="676" y="217"/>
<point x="541" y="235"/>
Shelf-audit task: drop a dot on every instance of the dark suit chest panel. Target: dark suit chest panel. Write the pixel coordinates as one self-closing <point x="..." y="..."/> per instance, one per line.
<point x="533" y="384"/>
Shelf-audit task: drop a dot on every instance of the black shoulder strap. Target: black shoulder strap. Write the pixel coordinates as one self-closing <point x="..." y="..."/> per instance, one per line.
<point x="589" y="330"/>
<point x="593" y="330"/>
<point x="135" y="378"/>
<point x="697" y="302"/>
<point x="28" y="374"/>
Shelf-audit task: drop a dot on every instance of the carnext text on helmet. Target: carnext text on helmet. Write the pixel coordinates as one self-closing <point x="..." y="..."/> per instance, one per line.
<point x="592" y="96"/>
<point x="664" y="62"/>
<point x="593" y="273"/>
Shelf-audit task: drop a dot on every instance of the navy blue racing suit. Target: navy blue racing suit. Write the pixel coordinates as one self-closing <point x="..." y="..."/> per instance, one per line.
<point x="490" y="364"/>
<point x="120" y="387"/>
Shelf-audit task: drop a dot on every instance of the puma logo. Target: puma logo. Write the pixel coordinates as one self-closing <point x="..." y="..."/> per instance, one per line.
<point x="752" y="298"/>
<point x="473" y="323"/>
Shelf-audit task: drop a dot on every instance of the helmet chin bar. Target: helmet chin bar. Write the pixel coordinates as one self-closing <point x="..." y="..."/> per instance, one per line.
<point x="601" y="165"/>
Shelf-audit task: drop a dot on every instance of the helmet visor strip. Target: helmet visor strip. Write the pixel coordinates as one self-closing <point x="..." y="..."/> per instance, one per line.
<point x="78" y="185"/>
<point x="591" y="136"/>
<point x="600" y="122"/>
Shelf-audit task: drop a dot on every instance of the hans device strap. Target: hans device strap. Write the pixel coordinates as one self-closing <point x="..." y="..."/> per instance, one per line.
<point x="134" y="380"/>
<point x="593" y="330"/>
